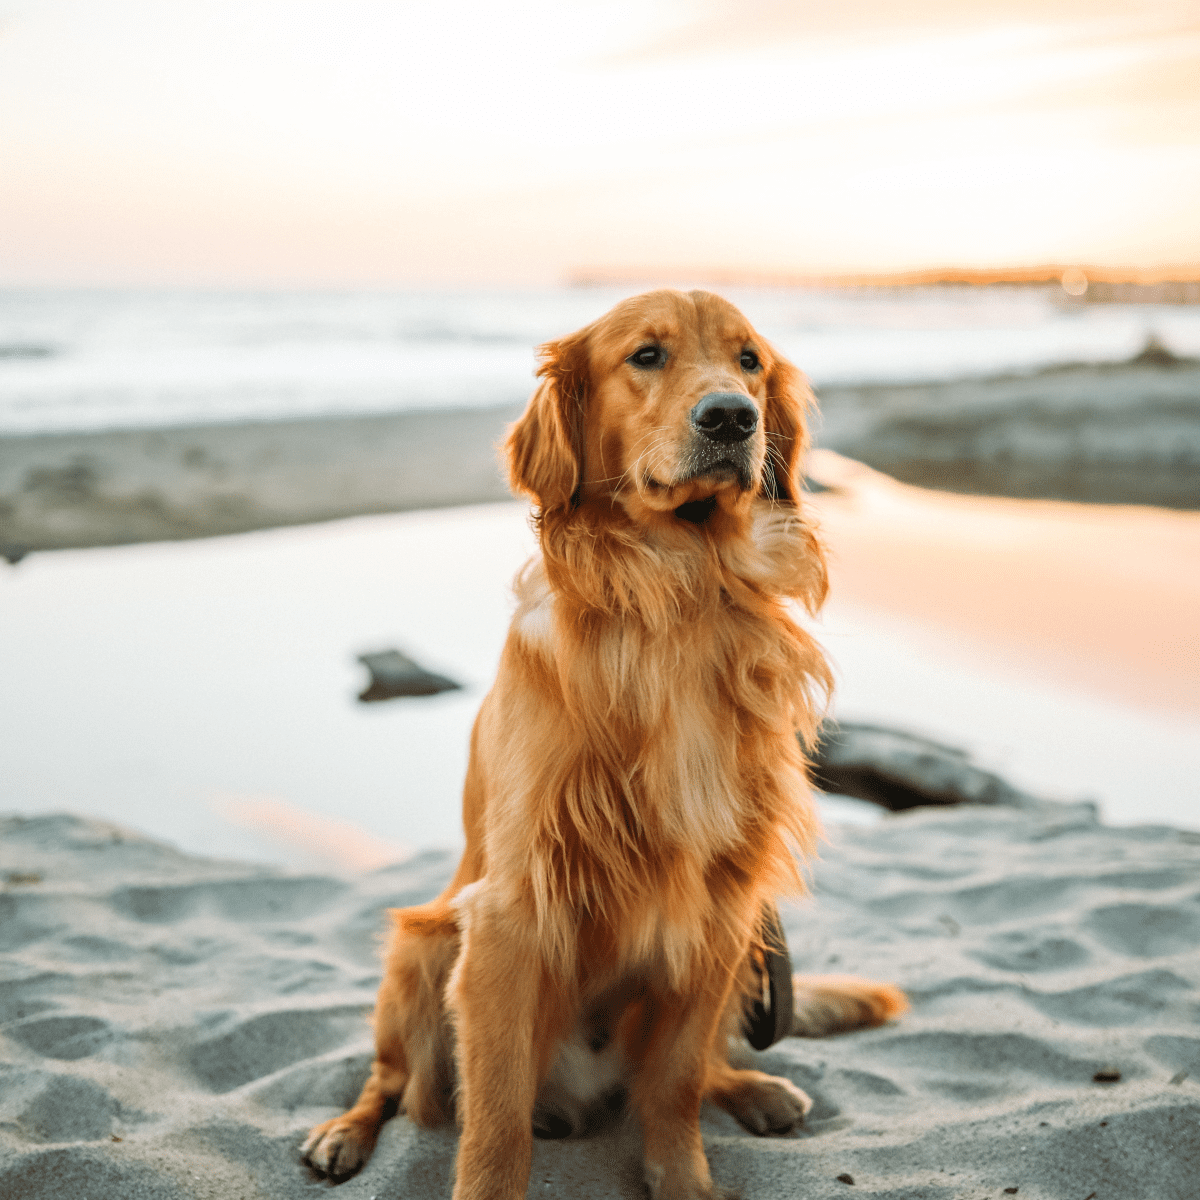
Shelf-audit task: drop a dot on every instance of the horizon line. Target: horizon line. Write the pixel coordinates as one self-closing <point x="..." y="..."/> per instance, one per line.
<point x="971" y="276"/>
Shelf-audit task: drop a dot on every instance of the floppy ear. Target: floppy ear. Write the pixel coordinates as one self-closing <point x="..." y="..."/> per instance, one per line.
<point x="545" y="447"/>
<point x="789" y="403"/>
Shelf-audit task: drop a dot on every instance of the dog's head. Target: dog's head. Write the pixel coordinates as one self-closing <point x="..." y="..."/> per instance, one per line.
<point x="671" y="405"/>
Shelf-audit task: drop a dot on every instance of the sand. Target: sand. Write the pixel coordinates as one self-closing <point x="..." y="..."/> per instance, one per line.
<point x="172" y="1025"/>
<point x="119" y="486"/>
<point x="1102" y="433"/>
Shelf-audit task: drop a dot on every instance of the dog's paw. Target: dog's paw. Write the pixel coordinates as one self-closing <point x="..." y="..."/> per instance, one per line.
<point x="763" y="1103"/>
<point x="338" y="1148"/>
<point x="662" y="1184"/>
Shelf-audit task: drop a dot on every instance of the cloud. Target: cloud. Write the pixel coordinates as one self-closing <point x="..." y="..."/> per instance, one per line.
<point x="729" y="26"/>
<point x="299" y="141"/>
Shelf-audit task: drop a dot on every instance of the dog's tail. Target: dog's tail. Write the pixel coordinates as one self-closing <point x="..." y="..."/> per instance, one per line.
<point x="829" y="1004"/>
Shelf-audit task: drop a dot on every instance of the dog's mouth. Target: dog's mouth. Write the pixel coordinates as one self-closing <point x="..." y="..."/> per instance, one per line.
<point x="723" y="473"/>
<point x="726" y="464"/>
<point x="724" y="479"/>
<point x="707" y="475"/>
<point x="696" y="512"/>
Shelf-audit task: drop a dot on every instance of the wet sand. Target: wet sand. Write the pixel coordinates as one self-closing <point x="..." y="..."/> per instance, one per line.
<point x="67" y="490"/>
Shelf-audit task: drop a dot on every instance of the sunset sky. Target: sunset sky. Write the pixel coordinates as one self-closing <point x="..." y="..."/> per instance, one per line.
<point x="363" y="142"/>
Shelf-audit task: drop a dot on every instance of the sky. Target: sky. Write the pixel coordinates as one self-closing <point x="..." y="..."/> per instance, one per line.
<point x="467" y="142"/>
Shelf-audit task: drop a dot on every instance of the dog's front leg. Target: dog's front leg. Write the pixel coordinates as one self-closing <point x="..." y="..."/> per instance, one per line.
<point x="508" y="1021"/>
<point x="670" y="1085"/>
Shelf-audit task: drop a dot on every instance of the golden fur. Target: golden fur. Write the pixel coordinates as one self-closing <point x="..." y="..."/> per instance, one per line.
<point x="636" y="792"/>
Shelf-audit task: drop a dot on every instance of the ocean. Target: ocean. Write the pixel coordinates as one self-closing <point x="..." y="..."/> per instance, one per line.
<point x="76" y="360"/>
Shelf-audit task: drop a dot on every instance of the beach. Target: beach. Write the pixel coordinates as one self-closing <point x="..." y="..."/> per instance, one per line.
<point x="173" y="1025"/>
<point x="277" y="282"/>
<point x="113" y="487"/>
<point x="203" y="823"/>
<point x="179" y="1009"/>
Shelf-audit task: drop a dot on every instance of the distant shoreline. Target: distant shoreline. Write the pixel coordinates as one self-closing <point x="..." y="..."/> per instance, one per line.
<point x="1125" y="433"/>
<point x="1093" y="433"/>
<point x="64" y="490"/>
<point x="1083" y="283"/>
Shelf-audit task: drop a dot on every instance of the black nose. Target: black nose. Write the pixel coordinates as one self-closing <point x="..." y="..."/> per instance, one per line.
<point x="725" y="416"/>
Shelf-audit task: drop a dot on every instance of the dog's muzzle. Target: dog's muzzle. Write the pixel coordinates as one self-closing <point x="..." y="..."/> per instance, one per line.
<point x="721" y="427"/>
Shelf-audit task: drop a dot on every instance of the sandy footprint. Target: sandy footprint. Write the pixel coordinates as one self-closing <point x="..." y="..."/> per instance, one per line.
<point x="252" y="1047"/>
<point x="1025" y="951"/>
<point x="63" y="1038"/>
<point x="45" y="1107"/>
<point x="1146" y="930"/>
<point x="1125" y="1000"/>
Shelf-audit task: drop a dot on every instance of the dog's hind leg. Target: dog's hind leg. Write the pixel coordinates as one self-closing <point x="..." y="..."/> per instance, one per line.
<point x="823" y="1005"/>
<point x="762" y="1103"/>
<point x="413" y="1045"/>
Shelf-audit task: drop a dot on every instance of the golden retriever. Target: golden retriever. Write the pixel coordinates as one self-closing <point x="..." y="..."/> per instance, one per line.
<point x="637" y="794"/>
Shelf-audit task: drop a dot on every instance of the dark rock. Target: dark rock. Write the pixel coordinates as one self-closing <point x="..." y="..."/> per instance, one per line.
<point x="900" y="770"/>
<point x="395" y="674"/>
<point x="1156" y="353"/>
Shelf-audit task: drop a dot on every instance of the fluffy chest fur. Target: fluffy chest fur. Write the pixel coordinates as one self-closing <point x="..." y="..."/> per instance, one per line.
<point x="650" y="779"/>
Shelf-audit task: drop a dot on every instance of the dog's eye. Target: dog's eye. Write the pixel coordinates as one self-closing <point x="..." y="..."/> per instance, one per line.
<point x="648" y="356"/>
<point x="749" y="361"/>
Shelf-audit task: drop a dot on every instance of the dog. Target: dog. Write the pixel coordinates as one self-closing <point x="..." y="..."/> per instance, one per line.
<point x="637" y="792"/>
